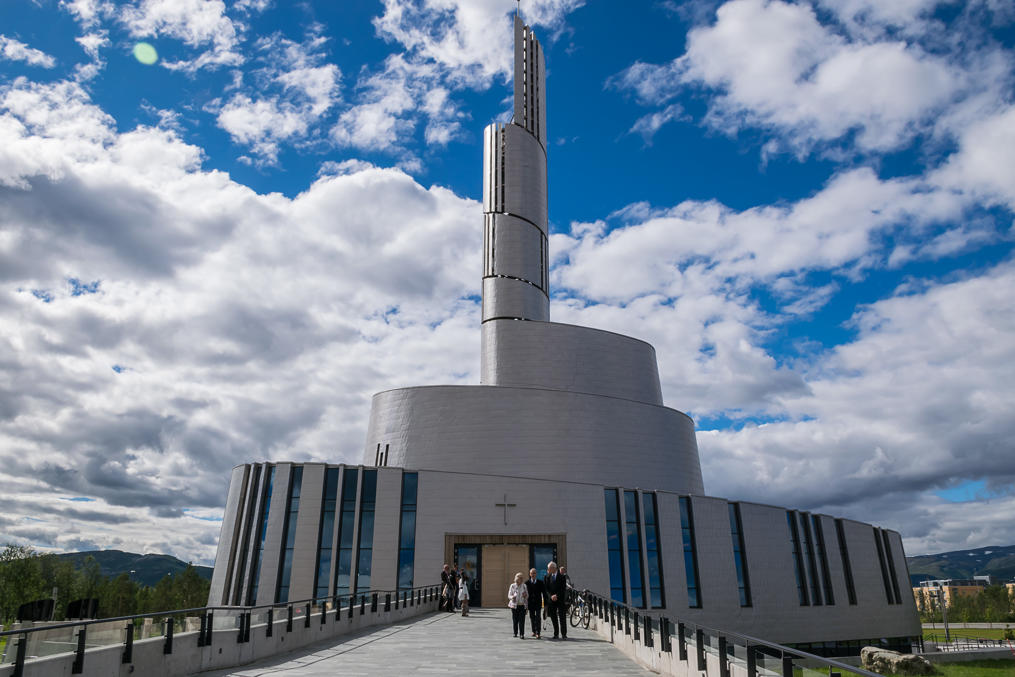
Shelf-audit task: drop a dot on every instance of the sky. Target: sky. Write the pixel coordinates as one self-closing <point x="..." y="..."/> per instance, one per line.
<point x="225" y="225"/>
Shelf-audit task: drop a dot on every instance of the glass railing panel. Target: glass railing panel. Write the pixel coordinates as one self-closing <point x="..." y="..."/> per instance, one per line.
<point x="225" y="619"/>
<point x="8" y="648"/>
<point x="259" y="617"/>
<point x="52" y="642"/>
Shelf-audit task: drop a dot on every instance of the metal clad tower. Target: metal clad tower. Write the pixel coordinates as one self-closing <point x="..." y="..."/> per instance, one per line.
<point x="515" y="271"/>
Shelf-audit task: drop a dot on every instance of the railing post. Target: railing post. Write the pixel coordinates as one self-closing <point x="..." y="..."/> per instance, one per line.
<point x="246" y="628"/>
<point x="699" y="639"/>
<point x="271" y="623"/>
<point x="664" y="635"/>
<point x="648" y="631"/>
<point x="387" y="601"/>
<point x="306" y="615"/>
<point x="352" y="603"/>
<point x="681" y="642"/>
<point x="200" y="633"/>
<point x="79" y="656"/>
<point x="752" y="662"/>
<point x="167" y="646"/>
<point x="373" y="603"/>
<point x="19" y="660"/>
<point x="128" y="644"/>
<point x="627" y="621"/>
<point x="362" y="604"/>
<point x="324" y="611"/>
<point x="787" y="665"/>
<point x="289" y="620"/>
<point x="637" y="630"/>
<point x="724" y="666"/>
<point x="211" y="625"/>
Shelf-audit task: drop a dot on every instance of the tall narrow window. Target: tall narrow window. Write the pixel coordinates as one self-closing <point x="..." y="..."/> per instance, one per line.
<point x="657" y="599"/>
<point x="613" y="547"/>
<point x="407" y="531"/>
<point x="248" y="535"/>
<point x="368" y="499"/>
<point x="289" y="535"/>
<point x="798" y="560"/>
<point x="263" y="528"/>
<point x="690" y="555"/>
<point x="324" y="538"/>
<point x="884" y="569"/>
<point x="847" y="569"/>
<point x="346" y="524"/>
<point x="812" y="567"/>
<point x="739" y="558"/>
<point x="891" y="566"/>
<point x="826" y="577"/>
<point x="633" y="535"/>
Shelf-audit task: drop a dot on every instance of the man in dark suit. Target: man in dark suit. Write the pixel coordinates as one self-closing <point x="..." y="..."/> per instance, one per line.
<point x="535" y="588"/>
<point x="555" y="590"/>
<point x="447" y="590"/>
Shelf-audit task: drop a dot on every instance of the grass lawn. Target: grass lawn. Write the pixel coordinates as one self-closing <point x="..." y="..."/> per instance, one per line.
<point x="997" y="668"/>
<point x="971" y="633"/>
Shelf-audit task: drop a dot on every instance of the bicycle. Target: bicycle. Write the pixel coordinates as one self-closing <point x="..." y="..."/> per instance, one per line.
<point x="581" y="613"/>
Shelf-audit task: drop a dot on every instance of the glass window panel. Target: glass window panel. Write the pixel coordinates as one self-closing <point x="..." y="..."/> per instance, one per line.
<point x="616" y="570"/>
<point x="366" y="529"/>
<point x="408" y="530"/>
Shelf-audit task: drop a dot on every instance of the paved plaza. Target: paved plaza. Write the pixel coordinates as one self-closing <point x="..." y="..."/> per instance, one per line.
<point x="442" y="643"/>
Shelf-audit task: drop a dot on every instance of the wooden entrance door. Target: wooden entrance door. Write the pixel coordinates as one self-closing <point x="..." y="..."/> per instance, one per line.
<point x="500" y="564"/>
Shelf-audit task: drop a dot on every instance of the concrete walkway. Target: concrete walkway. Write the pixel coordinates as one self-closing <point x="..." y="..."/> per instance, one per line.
<point x="443" y="643"/>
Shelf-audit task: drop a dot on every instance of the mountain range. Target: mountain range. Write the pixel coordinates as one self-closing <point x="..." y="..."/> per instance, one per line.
<point x="995" y="560"/>
<point x="143" y="569"/>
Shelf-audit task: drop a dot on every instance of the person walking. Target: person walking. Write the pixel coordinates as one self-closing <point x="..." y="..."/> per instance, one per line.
<point x="534" y="587"/>
<point x="447" y="591"/>
<point x="555" y="591"/>
<point x="463" y="592"/>
<point x="518" y="599"/>
<point x="454" y="587"/>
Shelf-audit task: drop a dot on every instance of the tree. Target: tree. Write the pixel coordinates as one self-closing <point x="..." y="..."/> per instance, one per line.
<point x="20" y="579"/>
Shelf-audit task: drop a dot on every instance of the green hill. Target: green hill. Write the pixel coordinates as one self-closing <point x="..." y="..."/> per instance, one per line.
<point x="148" y="569"/>
<point x="995" y="560"/>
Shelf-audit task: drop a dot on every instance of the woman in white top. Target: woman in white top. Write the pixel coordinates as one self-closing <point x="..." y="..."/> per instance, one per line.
<point x="518" y="599"/>
<point x="463" y="593"/>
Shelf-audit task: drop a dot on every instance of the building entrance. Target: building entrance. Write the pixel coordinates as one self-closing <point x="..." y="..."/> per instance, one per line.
<point x="500" y="564"/>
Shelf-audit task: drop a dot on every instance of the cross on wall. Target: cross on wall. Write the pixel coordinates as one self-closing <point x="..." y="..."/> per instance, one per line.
<point x="505" y="505"/>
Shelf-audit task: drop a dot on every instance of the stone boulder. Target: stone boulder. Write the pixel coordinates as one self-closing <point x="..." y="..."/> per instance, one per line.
<point x="887" y="662"/>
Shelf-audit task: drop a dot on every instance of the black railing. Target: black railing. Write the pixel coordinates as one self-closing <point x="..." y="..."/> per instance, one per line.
<point x="242" y="615"/>
<point x="750" y="653"/>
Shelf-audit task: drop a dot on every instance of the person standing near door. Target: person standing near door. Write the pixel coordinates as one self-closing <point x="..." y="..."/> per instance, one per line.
<point x="534" y="587"/>
<point x="555" y="590"/>
<point x="463" y="593"/>
<point x="447" y="591"/>
<point x="518" y="598"/>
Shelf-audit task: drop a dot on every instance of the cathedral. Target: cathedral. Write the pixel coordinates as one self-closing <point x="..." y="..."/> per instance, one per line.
<point x="564" y="451"/>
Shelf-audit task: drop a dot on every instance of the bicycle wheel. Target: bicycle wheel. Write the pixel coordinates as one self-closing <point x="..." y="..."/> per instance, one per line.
<point x="576" y="615"/>
<point x="586" y="616"/>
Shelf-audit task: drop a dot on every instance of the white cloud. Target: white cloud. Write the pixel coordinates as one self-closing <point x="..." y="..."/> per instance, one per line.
<point x="774" y="65"/>
<point x="307" y="88"/>
<point x="15" y="50"/>
<point x="198" y="300"/>
<point x="455" y="34"/>
<point x="197" y="23"/>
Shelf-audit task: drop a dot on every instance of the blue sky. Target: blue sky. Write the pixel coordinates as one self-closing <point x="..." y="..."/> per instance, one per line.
<point x="217" y="258"/>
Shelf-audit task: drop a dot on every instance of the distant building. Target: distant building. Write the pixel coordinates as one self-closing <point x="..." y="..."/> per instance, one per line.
<point x="566" y="452"/>
<point x="951" y="588"/>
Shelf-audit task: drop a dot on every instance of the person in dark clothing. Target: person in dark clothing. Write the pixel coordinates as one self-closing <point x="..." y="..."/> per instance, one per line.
<point x="455" y="582"/>
<point x="555" y="592"/>
<point x="535" y="589"/>
<point x="447" y="590"/>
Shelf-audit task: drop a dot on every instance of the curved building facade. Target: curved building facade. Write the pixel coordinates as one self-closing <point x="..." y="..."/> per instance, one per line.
<point x="565" y="451"/>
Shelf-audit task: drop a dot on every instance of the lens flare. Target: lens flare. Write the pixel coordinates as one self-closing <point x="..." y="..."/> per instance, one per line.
<point x="145" y="53"/>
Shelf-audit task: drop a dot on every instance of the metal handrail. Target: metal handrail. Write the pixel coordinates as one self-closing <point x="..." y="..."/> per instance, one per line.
<point x="747" y="640"/>
<point x="201" y="609"/>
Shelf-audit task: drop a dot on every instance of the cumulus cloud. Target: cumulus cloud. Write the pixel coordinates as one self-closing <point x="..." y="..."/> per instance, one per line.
<point x="15" y="50"/>
<point x="197" y="23"/>
<point x="775" y="65"/>
<point x="306" y="87"/>
<point x="146" y="390"/>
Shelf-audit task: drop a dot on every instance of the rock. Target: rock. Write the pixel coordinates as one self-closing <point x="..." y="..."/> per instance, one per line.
<point x="887" y="662"/>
